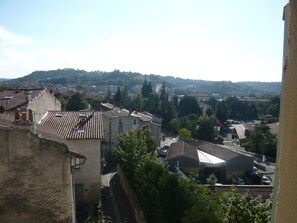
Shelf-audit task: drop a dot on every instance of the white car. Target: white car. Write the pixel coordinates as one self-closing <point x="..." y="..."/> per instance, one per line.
<point x="266" y="180"/>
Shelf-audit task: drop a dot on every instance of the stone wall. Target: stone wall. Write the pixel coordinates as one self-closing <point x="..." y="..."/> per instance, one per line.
<point x="35" y="178"/>
<point x="138" y="214"/>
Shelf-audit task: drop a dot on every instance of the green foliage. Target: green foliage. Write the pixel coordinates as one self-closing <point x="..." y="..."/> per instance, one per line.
<point x="245" y="209"/>
<point x="168" y="198"/>
<point x="188" y="105"/>
<point x="77" y="102"/>
<point x="241" y="110"/>
<point x="220" y="140"/>
<point x="205" y="206"/>
<point x="212" y="180"/>
<point x="138" y="103"/>
<point x="184" y="134"/>
<point x="117" y="99"/>
<point x="64" y="103"/>
<point x="153" y="103"/>
<point x="206" y="130"/>
<point x="95" y="102"/>
<point x="262" y="141"/>
<point x="222" y="112"/>
<point x="146" y="89"/>
<point x="133" y="148"/>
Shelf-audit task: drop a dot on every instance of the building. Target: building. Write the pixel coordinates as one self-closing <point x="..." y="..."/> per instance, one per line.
<point x="203" y="158"/>
<point x="38" y="100"/>
<point x="243" y="131"/>
<point x="85" y="131"/>
<point x="36" y="174"/>
<point x="117" y="121"/>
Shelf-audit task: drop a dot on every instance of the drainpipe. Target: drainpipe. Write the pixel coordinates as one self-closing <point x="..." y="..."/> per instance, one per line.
<point x="79" y="164"/>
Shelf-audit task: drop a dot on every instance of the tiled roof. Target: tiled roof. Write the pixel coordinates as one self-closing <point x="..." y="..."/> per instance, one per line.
<point x="115" y="113"/>
<point x="241" y="128"/>
<point x="75" y="124"/>
<point x="142" y="116"/>
<point x="274" y="128"/>
<point x="12" y="99"/>
<point x="43" y="132"/>
<point x="215" y="150"/>
<point x="107" y="106"/>
<point x="182" y="148"/>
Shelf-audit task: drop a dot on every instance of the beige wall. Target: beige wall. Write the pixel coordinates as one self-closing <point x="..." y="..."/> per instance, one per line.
<point x="285" y="196"/>
<point x="89" y="174"/>
<point x="43" y="103"/>
<point x="35" y="179"/>
<point x="115" y="131"/>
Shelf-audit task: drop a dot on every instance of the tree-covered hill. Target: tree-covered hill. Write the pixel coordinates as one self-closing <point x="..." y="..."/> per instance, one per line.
<point x="81" y="79"/>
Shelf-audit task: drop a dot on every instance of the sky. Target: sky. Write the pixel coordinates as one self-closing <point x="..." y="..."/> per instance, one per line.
<point x="207" y="40"/>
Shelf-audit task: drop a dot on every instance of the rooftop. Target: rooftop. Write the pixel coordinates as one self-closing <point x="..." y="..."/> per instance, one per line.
<point x="12" y="99"/>
<point x="42" y="132"/>
<point x="74" y="125"/>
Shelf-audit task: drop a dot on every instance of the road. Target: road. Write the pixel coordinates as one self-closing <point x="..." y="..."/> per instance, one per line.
<point x="116" y="206"/>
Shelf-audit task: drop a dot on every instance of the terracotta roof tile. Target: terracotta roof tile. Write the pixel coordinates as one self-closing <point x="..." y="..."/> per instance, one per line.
<point x="75" y="124"/>
<point x="115" y="113"/>
<point x="43" y="132"/>
<point x="12" y="99"/>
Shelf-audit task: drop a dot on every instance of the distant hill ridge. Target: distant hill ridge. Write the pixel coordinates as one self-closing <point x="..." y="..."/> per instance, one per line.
<point x="82" y="78"/>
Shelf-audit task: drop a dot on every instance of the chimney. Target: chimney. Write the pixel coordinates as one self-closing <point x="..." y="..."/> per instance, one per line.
<point x="17" y="114"/>
<point x="30" y="115"/>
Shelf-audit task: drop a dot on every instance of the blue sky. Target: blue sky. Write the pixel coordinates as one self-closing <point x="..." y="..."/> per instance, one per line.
<point x="209" y="40"/>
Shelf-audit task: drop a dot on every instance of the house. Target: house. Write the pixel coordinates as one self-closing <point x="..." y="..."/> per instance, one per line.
<point x="38" y="100"/>
<point x="274" y="128"/>
<point x="243" y="131"/>
<point x="117" y="121"/>
<point x="204" y="158"/>
<point x="84" y="129"/>
<point x="36" y="173"/>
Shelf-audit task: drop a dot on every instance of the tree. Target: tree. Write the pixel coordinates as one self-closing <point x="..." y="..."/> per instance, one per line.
<point x="64" y="103"/>
<point x="245" y="209"/>
<point x="95" y="102"/>
<point x="188" y="105"/>
<point x="185" y="133"/>
<point x="152" y="103"/>
<point x="138" y="102"/>
<point x="118" y="97"/>
<point x="222" y="112"/>
<point x="146" y="89"/>
<point x="206" y="130"/>
<point x="125" y="97"/>
<point x="133" y="148"/>
<point x="77" y="102"/>
<point x="212" y="102"/>
<point x="262" y="141"/>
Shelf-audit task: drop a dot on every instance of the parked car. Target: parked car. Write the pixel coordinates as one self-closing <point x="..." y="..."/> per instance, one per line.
<point x="238" y="181"/>
<point x="248" y="180"/>
<point x="266" y="180"/>
<point x="255" y="178"/>
<point x="162" y="152"/>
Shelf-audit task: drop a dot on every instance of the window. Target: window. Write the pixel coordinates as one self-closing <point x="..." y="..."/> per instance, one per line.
<point x="80" y="130"/>
<point x="75" y="163"/>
